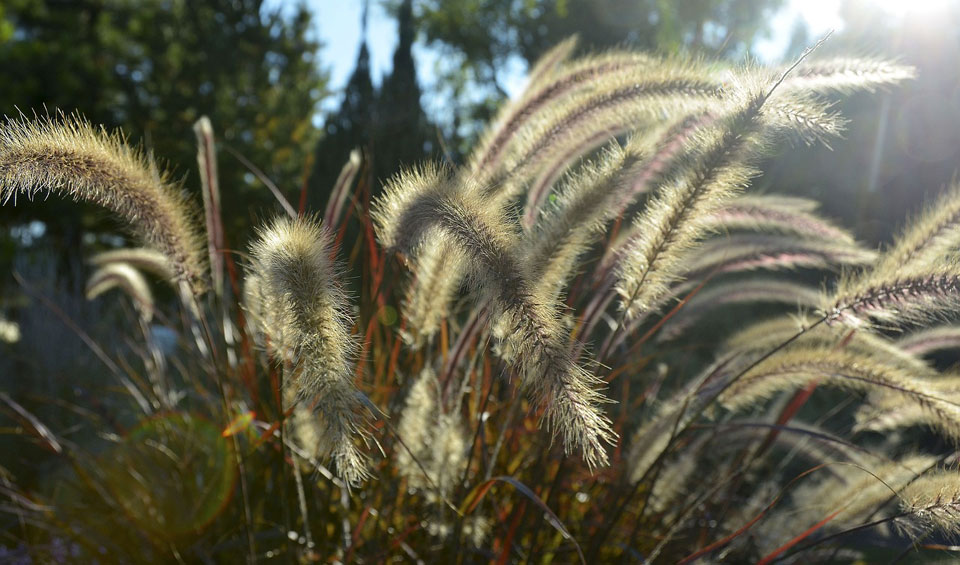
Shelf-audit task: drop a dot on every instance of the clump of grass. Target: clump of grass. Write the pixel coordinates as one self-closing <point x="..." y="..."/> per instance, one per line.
<point x="599" y="233"/>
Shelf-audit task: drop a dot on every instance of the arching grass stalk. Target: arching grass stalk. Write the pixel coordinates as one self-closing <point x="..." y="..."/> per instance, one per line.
<point x="67" y="156"/>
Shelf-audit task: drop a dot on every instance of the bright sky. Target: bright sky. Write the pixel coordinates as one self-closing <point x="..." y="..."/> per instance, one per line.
<point x="338" y="22"/>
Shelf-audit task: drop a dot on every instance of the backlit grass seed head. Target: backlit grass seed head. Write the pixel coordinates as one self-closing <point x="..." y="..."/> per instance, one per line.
<point x="917" y="279"/>
<point x="769" y="213"/>
<point x="567" y="226"/>
<point x="716" y="165"/>
<point x="437" y="267"/>
<point x="142" y="258"/>
<point x="738" y="292"/>
<point x="931" y="502"/>
<point x="431" y="292"/>
<point x="547" y="65"/>
<point x="588" y="121"/>
<point x="931" y="340"/>
<point x="802" y="120"/>
<point x="858" y="496"/>
<point x="589" y="74"/>
<point x="418" y="213"/>
<point x="253" y="306"/>
<point x="747" y="252"/>
<point x="850" y="370"/>
<point x="305" y="313"/>
<point x="884" y="412"/>
<point x="67" y="156"/>
<point x="900" y="298"/>
<point x="928" y="239"/>
<point x="764" y="336"/>
<point x="846" y="75"/>
<point x="436" y="439"/>
<point x="306" y="427"/>
<point x="416" y="428"/>
<point x="126" y="278"/>
<point x="671" y="224"/>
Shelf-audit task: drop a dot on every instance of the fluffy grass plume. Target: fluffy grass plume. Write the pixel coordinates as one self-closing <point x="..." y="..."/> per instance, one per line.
<point x="424" y="207"/>
<point x="932" y="502"/>
<point x="931" y="340"/>
<point x="773" y="213"/>
<point x="435" y="437"/>
<point x="899" y="298"/>
<point x="748" y="252"/>
<point x="142" y="258"/>
<point x="849" y="370"/>
<point x="915" y="280"/>
<point x="670" y="224"/>
<point x="541" y="94"/>
<point x="305" y="313"/>
<point x="929" y="238"/>
<point x="567" y="227"/>
<point x="846" y="75"/>
<point x="737" y="292"/>
<point x="764" y="336"/>
<point x="583" y="122"/>
<point x="857" y="493"/>
<point x="69" y="157"/>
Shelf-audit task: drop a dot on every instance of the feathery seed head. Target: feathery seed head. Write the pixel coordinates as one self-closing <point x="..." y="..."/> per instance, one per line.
<point x="142" y="258"/>
<point x="932" y="501"/>
<point x="305" y="313"/>
<point x="672" y="222"/>
<point x="67" y="156"/>
<point x="846" y="75"/>
<point x="127" y="278"/>
<point x="435" y="437"/>
<point x="418" y="207"/>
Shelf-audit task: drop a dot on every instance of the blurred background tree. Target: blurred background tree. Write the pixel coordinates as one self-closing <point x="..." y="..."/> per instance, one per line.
<point x="154" y="67"/>
<point x="388" y="124"/>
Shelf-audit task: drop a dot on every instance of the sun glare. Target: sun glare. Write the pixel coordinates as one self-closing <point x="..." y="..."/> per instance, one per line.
<point x="913" y="8"/>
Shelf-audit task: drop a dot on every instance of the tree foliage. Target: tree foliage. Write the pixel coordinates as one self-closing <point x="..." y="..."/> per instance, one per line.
<point x="482" y="36"/>
<point x="156" y="66"/>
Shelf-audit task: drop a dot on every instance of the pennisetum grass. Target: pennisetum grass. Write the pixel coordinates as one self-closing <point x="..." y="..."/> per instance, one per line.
<point x="766" y="416"/>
